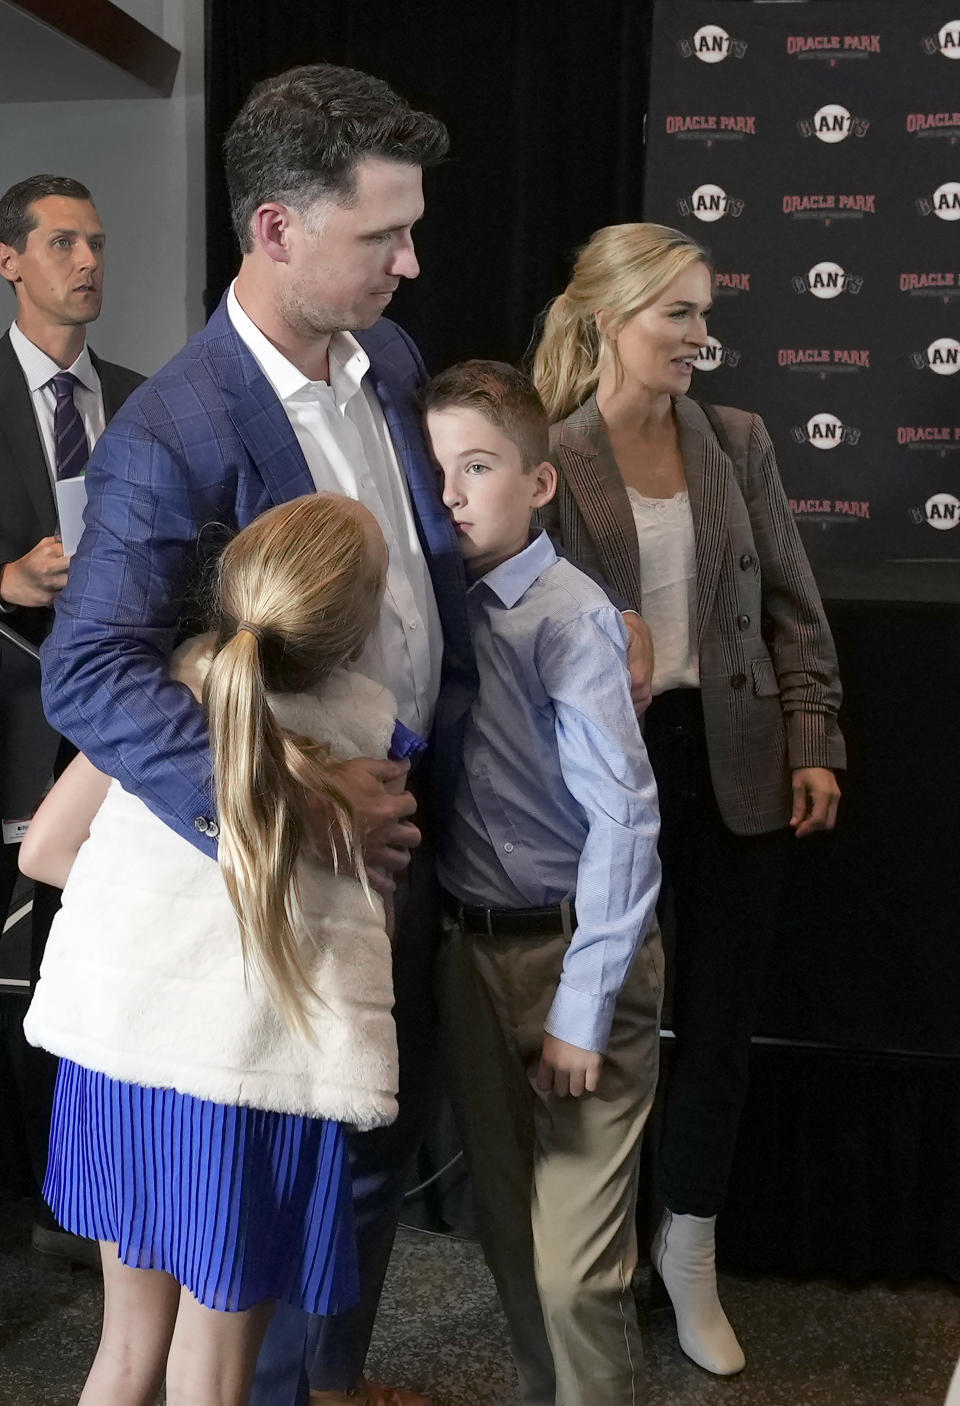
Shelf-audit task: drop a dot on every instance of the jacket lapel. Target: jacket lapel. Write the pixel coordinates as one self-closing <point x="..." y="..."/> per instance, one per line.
<point x="596" y="485"/>
<point x="257" y="414"/>
<point x="707" y="470"/>
<point x="19" y="426"/>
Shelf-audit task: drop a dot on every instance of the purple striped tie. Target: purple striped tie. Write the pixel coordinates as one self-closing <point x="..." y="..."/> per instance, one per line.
<point x="68" y="432"/>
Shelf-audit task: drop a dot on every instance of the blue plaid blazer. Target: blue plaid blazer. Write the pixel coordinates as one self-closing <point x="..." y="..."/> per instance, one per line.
<point x="197" y="453"/>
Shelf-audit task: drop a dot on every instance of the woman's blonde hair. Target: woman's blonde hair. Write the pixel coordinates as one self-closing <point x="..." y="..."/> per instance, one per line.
<point x="620" y="270"/>
<point x="296" y="594"/>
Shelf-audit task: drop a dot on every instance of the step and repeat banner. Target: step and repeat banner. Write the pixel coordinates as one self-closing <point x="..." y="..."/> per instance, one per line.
<point x="815" y="150"/>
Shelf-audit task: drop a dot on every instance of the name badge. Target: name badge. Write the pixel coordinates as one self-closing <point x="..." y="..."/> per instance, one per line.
<point x="14" y="830"/>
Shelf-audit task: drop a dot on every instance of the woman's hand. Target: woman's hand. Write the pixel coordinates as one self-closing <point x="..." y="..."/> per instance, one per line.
<point x="639" y="661"/>
<point x="816" y="796"/>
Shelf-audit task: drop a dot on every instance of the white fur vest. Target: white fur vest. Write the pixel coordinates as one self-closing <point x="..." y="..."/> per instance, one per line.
<point x="143" y="979"/>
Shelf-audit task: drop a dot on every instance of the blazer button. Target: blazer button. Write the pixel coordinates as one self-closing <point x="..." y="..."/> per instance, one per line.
<point x="202" y="824"/>
<point x="746" y="561"/>
<point x="743" y="621"/>
<point x="213" y="829"/>
<point x="738" y="681"/>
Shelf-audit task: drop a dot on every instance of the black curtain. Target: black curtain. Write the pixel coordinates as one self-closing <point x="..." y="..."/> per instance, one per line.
<point x="545" y="104"/>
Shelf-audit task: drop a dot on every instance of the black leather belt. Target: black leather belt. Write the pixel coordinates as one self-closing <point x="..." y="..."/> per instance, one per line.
<point x="511" y="922"/>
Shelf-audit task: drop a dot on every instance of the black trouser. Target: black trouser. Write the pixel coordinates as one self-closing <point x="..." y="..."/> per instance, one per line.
<point x="725" y="891"/>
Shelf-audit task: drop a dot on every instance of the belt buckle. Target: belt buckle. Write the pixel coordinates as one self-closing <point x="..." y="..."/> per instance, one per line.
<point x="488" y="912"/>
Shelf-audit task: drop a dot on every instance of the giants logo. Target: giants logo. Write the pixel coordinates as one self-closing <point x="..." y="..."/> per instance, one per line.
<point x="833" y="46"/>
<point x="941" y="510"/>
<point x="825" y="431"/>
<point x="833" y="123"/>
<point x="714" y="354"/>
<point x="711" y="44"/>
<point x="709" y="203"/>
<point x="827" y="280"/>
<point x="947" y="42"/>
<point x="941" y="356"/>
<point x="945" y="202"/>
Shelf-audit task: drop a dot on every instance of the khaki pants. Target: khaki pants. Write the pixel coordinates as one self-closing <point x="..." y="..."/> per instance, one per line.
<point x="554" y="1180"/>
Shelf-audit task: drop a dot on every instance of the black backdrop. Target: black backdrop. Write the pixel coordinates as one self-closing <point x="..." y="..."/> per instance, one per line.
<point x="545" y="112"/>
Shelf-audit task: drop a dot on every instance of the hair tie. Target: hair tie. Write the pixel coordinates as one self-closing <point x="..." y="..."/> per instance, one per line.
<point x="254" y="629"/>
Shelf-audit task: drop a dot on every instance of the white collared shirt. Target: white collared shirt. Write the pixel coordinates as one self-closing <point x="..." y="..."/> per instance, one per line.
<point x="38" y="370"/>
<point x="341" y="430"/>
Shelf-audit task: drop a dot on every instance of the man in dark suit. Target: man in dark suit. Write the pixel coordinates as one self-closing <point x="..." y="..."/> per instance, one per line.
<point x="276" y="398"/>
<point x="56" y="396"/>
<point x="51" y="254"/>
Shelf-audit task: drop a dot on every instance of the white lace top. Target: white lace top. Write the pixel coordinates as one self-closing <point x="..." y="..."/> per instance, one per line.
<point x="668" y="574"/>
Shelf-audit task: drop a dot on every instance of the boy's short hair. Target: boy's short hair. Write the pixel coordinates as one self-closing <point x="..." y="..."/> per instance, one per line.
<point x="503" y="395"/>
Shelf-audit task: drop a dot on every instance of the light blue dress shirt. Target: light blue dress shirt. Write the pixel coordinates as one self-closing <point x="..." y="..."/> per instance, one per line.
<point x="557" y="799"/>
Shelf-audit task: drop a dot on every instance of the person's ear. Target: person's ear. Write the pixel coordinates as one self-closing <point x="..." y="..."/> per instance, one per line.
<point x="9" y="263"/>
<point x="545" y="483"/>
<point x="271" y="228"/>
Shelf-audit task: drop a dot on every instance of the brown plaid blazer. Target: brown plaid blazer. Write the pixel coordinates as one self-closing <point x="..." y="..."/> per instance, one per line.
<point x="768" y="667"/>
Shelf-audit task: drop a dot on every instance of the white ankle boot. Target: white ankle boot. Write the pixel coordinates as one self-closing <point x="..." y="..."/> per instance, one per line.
<point x="683" y="1254"/>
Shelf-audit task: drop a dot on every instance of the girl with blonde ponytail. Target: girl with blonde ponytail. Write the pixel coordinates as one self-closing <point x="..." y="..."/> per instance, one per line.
<point x="219" y="1023"/>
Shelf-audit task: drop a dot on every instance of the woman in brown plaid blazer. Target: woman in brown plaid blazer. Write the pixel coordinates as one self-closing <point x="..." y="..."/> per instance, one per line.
<point x="683" y="514"/>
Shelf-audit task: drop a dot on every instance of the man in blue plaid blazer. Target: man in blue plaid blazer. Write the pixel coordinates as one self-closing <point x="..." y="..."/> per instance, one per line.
<point x="324" y="169"/>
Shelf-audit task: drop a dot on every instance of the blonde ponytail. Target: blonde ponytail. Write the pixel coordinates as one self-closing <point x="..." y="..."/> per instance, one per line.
<point x="621" y="269"/>
<point x="565" y="366"/>
<point x="298" y="593"/>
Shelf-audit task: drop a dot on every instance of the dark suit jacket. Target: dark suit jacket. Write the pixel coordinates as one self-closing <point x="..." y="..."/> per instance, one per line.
<point x="202" y="449"/>
<point x="27" y="514"/>
<point x="768" y="668"/>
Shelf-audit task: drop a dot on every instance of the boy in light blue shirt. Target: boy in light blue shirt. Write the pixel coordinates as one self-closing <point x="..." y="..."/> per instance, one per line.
<point x="551" y="969"/>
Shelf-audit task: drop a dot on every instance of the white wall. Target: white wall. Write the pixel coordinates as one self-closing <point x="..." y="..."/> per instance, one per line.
<point x="143" y="160"/>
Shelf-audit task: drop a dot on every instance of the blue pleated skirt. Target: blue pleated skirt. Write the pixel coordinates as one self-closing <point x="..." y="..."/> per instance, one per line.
<point x="238" y="1204"/>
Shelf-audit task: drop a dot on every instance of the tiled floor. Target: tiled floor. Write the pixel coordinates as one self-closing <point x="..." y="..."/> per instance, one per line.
<point x="440" y="1329"/>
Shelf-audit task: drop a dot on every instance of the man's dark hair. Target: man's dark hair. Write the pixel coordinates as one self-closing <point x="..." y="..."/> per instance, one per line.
<point x="300" y="135"/>
<point x="16" y="217"/>
<point x="501" y="394"/>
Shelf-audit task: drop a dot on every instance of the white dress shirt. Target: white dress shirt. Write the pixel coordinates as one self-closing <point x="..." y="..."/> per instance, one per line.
<point x="38" y="370"/>
<point x="341" y="430"/>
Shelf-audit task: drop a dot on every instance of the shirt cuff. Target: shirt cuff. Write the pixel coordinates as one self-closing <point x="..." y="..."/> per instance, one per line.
<point x="580" y="1018"/>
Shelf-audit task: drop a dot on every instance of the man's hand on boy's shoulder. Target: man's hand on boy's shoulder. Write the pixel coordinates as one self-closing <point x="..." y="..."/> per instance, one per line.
<point x="566" y="1069"/>
<point x="639" y="660"/>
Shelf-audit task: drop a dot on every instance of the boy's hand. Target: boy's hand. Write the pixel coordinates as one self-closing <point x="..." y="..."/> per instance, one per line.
<point x="567" y="1069"/>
